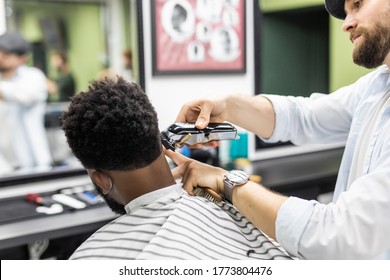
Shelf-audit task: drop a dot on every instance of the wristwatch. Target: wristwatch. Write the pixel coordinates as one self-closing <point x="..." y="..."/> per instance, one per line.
<point x="231" y="180"/>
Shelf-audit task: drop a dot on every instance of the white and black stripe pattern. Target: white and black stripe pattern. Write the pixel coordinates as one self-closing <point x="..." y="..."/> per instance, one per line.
<point x="180" y="227"/>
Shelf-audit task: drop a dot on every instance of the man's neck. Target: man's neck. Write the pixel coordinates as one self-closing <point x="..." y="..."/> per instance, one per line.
<point x="138" y="182"/>
<point x="387" y="60"/>
<point x="8" y="74"/>
<point x="64" y="69"/>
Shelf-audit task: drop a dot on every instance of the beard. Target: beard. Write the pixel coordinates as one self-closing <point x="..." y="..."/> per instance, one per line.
<point x="4" y="69"/>
<point x="375" y="46"/>
<point x="114" y="206"/>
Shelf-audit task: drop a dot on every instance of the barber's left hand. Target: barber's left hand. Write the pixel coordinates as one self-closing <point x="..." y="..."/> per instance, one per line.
<point x="196" y="174"/>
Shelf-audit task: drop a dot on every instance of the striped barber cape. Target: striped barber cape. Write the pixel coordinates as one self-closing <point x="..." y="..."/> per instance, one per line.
<point x="170" y="224"/>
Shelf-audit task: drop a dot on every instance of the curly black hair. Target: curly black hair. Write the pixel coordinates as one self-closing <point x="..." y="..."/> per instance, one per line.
<point x="112" y="126"/>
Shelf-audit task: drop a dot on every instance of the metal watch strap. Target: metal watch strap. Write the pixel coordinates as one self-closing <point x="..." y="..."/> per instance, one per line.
<point x="228" y="190"/>
<point x="231" y="180"/>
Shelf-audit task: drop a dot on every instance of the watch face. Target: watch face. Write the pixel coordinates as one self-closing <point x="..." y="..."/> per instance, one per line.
<point x="237" y="176"/>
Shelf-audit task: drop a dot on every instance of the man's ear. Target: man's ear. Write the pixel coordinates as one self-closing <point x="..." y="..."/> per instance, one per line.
<point x="102" y="180"/>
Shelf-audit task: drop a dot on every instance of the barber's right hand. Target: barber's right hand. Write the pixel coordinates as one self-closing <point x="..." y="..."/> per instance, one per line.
<point x="203" y="111"/>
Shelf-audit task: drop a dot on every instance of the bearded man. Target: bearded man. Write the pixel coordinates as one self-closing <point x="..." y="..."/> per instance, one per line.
<point x="23" y="94"/>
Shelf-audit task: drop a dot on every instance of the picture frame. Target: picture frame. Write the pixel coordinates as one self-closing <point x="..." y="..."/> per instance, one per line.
<point x="198" y="37"/>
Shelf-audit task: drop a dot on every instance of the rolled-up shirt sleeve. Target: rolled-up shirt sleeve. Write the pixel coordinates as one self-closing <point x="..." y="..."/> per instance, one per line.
<point x="318" y="119"/>
<point x="357" y="226"/>
<point x="291" y="221"/>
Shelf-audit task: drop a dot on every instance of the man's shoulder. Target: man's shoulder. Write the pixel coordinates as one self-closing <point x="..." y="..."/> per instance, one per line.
<point x="25" y="69"/>
<point x="384" y="69"/>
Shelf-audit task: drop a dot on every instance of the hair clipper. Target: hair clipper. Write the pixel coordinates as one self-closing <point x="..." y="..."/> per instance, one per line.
<point x="179" y="134"/>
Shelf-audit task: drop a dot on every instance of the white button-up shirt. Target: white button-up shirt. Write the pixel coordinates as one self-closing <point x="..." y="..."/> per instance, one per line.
<point x="25" y="101"/>
<point x="356" y="225"/>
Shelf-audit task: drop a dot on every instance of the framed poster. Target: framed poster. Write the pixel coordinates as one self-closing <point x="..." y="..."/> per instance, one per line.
<point x="198" y="36"/>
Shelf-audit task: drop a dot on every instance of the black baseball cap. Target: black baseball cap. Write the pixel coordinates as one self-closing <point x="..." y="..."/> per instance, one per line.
<point x="336" y="8"/>
<point x="12" y="42"/>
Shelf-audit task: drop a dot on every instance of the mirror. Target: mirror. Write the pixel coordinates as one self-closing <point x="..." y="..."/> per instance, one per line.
<point x="97" y="39"/>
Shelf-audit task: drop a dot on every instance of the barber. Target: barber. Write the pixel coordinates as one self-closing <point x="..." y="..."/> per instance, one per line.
<point x="356" y="224"/>
<point x="23" y="93"/>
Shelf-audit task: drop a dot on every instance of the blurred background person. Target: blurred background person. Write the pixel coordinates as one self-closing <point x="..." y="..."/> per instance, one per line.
<point x="127" y="58"/>
<point x="23" y="91"/>
<point x="63" y="86"/>
<point x="5" y="167"/>
<point x="126" y="72"/>
<point x="6" y="155"/>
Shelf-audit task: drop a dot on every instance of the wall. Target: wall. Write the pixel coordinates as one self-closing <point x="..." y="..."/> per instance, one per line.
<point x="276" y="5"/>
<point x="169" y="93"/>
<point x="342" y="69"/>
<point x="294" y="51"/>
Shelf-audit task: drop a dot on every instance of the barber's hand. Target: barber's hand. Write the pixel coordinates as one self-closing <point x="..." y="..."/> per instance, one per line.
<point x="196" y="174"/>
<point x="203" y="111"/>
